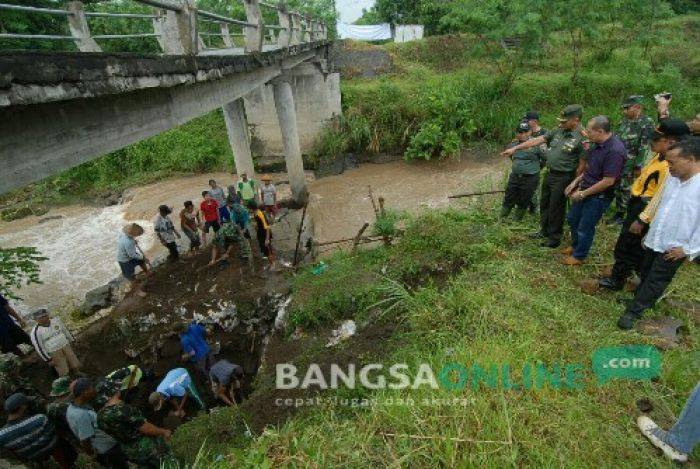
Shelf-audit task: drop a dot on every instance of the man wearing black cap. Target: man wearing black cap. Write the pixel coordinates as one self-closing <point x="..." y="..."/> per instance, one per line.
<point x="635" y="131"/>
<point x="32" y="438"/>
<point x="533" y="120"/>
<point x="524" y="175"/>
<point x="565" y="160"/>
<point x="647" y="187"/>
<point x="82" y="421"/>
<point x="674" y="233"/>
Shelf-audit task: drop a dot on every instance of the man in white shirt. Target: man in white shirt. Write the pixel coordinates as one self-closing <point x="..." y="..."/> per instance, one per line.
<point x="52" y="339"/>
<point x="674" y="234"/>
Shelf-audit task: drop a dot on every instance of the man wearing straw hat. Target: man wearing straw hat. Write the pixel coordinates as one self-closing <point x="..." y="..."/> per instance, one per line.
<point x="130" y="255"/>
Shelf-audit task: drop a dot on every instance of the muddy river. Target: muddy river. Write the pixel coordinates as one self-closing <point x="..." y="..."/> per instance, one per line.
<point x="79" y="240"/>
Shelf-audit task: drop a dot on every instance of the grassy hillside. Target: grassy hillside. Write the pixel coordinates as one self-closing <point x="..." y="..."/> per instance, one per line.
<point x="462" y="287"/>
<point x="450" y="91"/>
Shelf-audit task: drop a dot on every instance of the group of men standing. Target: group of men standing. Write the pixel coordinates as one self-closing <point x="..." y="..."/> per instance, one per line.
<point x="643" y="168"/>
<point x="652" y="172"/>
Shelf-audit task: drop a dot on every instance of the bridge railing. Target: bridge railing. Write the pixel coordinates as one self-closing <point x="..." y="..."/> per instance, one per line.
<point x="176" y="27"/>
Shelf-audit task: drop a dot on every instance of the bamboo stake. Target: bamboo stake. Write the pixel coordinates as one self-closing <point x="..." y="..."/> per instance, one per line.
<point x="374" y="205"/>
<point x="301" y="226"/>
<point x="356" y="241"/>
<point x="444" y="438"/>
<point x="471" y="194"/>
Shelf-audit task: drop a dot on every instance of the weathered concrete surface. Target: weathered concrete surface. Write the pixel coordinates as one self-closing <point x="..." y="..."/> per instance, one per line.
<point x="316" y="100"/>
<point x="287" y="117"/>
<point x="60" y="113"/>
<point x="39" y="77"/>
<point x="239" y="138"/>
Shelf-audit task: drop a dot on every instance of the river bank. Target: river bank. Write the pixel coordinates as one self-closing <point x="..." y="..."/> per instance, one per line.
<point x="79" y="239"/>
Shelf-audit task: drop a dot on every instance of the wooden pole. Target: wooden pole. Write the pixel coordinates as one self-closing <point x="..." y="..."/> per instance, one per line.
<point x="301" y="226"/>
<point x="374" y="206"/>
<point x="356" y="241"/>
<point x="387" y="240"/>
<point x="471" y="194"/>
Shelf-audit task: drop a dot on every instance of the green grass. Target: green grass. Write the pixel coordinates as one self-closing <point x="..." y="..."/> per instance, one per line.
<point x="470" y="289"/>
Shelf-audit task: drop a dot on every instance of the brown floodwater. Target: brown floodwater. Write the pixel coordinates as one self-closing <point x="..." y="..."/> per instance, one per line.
<point x="80" y="240"/>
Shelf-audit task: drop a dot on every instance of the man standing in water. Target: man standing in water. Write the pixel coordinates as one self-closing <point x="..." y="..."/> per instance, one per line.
<point x="130" y="256"/>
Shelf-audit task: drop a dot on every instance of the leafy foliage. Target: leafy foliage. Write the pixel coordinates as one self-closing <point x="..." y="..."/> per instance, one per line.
<point x="18" y="266"/>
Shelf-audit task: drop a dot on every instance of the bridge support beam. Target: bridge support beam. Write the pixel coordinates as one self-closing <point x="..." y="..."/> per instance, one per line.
<point x="287" y="116"/>
<point x="238" y="137"/>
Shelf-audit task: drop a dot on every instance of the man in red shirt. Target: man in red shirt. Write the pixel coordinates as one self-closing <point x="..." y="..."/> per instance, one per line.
<point x="210" y="210"/>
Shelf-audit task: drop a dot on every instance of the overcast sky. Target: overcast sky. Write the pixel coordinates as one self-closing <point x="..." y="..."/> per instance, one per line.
<point x="350" y="11"/>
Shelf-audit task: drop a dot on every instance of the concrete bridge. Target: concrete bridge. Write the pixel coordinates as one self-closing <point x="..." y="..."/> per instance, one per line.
<point x="62" y="109"/>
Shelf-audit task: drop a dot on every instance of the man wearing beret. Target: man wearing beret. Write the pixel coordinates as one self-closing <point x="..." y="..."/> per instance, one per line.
<point x="565" y="158"/>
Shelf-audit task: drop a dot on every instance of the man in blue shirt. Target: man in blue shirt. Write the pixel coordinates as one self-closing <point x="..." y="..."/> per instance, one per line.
<point x="82" y="420"/>
<point x="592" y="192"/>
<point x="175" y="388"/>
<point x="193" y="338"/>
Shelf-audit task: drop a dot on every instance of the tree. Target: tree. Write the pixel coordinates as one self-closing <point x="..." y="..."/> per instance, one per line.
<point x="18" y="266"/>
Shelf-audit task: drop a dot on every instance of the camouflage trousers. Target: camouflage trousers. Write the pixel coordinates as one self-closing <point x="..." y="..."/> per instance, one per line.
<point x="148" y="452"/>
<point x="623" y="192"/>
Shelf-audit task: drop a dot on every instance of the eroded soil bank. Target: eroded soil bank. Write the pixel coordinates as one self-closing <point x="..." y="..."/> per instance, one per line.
<point x="237" y="306"/>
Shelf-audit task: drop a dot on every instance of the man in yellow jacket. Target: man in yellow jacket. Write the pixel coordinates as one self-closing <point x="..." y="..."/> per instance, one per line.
<point x="628" y="249"/>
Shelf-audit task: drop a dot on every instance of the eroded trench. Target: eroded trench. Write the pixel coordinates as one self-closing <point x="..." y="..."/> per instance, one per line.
<point x="238" y="306"/>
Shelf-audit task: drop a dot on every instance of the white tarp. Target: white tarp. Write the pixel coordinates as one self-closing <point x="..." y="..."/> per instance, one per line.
<point x="374" y="32"/>
<point x="408" y="32"/>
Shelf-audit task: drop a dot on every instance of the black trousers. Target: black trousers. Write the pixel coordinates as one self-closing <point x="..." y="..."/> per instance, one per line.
<point x="656" y="275"/>
<point x="520" y="190"/>
<point x="12" y="337"/>
<point x="629" y="253"/>
<point x="553" y="204"/>
<point x="113" y="459"/>
<point x="172" y="247"/>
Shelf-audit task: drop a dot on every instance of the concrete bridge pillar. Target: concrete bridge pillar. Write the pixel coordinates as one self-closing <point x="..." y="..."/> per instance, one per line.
<point x="316" y="101"/>
<point x="237" y="127"/>
<point x="287" y="117"/>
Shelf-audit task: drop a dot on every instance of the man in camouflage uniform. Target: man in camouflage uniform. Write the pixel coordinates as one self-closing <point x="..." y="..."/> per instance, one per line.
<point x="635" y="131"/>
<point x="229" y="235"/>
<point x="533" y="120"/>
<point x="56" y="410"/>
<point x="11" y="382"/>
<point x="142" y="442"/>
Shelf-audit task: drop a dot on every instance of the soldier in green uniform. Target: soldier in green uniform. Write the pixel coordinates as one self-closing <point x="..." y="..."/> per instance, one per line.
<point x="56" y="410"/>
<point x="11" y="382"/>
<point x="524" y="175"/>
<point x="635" y="131"/>
<point x="565" y="158"/>
<point x="533" y="120"/>
<point x="142" y="442"/>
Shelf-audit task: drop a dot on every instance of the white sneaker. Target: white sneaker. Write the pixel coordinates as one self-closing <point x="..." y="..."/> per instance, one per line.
<point x="654" y="433"/>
